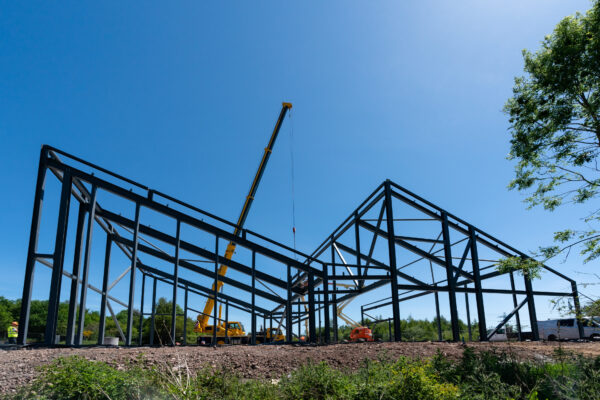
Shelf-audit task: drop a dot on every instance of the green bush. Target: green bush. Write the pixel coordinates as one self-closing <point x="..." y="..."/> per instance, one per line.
<point x="78" y="378"/>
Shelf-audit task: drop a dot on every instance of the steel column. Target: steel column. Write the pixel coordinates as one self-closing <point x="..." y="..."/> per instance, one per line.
<point x="215" y="293"/>
<point x="333" y="297"/>
<point x="577" y="307"/>
<point x="141" y="325"/>
<point x="175" y="284"/>
<point x="253" y="316"/>
<point x="227" y="321"/>
<point x="132" y="276"/>
<point x="468" y="315"/>
<point x="299" y="322"/>
<point x="312" y="331"/>
<point x="326" y="304"/>
<point x="72" y="316"/>
<point x="515" y="304"/>
<point x="32" y="249"/>
<point x="58" y="259"/>
<point x="531" y="307"/>
<point x="102" y="327"/>
<point x="392" y="255"/>
<point x="185" y="312"/>
<point x="478" y="291"/>
<point x="450" y="279"/>
<point x="288" y="307"/>
<point x="153" y="314"/>
<point x="86" y="266"/>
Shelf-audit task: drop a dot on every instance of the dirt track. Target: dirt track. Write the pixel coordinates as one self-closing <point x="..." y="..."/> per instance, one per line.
<point x="18" y="366"/>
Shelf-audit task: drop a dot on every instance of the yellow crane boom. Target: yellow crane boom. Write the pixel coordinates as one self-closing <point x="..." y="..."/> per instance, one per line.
<point x="203" y="319"/>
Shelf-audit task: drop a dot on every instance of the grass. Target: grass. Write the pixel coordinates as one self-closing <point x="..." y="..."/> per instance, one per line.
<point x="475" y="376"/>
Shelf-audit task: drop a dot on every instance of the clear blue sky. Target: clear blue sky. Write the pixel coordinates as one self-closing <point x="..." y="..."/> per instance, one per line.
<point x="182" y="97"/>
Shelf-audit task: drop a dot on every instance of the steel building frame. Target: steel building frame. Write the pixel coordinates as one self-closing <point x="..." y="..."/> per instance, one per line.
<point x="314" y="286"/>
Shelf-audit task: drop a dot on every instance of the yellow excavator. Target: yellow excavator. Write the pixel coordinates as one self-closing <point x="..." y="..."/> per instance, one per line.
<point x="235" y="330"/>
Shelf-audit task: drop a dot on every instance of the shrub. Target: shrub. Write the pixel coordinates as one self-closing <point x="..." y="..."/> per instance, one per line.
<point x="78" y="378"/>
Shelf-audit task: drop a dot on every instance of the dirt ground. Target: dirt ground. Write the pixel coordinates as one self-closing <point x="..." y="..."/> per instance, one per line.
<point x="19" y="366"/>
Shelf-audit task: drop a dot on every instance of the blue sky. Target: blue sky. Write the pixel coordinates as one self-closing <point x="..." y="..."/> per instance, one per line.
<point x="183" y="97"/>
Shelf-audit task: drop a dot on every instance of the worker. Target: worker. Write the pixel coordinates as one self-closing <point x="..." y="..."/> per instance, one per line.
<point x="13" y="332"/>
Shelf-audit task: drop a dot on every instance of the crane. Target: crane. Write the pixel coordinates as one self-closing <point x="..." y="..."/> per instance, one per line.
<point x="203" y="319"/>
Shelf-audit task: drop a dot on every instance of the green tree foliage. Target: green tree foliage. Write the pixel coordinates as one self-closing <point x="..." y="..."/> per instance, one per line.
<point x="162" y="324"/>
<point x="10" y="311"/>
<point x="554" y="116"/>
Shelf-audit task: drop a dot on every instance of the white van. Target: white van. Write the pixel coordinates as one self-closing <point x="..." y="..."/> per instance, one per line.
<point x="557" y="329"/>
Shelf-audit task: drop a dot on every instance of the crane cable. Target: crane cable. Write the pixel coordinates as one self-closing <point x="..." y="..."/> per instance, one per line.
<point x="293" y="179"/>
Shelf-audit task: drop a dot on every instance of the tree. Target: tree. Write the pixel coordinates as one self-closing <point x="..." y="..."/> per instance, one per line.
<point x="554" y="116"/>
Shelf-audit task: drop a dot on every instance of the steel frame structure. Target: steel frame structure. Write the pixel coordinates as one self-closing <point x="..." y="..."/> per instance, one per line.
<point x="294" y="287"/>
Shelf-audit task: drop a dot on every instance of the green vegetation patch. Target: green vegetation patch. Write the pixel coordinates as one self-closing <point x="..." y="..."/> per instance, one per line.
<point x="476" y="376"/>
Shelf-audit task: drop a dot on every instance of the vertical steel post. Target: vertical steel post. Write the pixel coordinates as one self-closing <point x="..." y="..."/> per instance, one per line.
<point x="288" y="307"/>
<point x="326" y="303"/>
<point x="32" y="249"/>
<point x="185" y="313"/>
<point x="468" y="314"/>
<point x="72" y="316"/>
<point x="478" y="290"/>
<point x="253" y="321"/>
<point x="357" y="244"/>
<point x="141" y="326"/>
<point x="515" y="303"/>
<point x="215" y="292"/>
<point x="450" y="279"/>
<point x="299" y="322"/>
<point x="577" y="309"/>
<point x="318" y="310"/>
<point x="175" y="284"/>
<point x="132" y="275"/>
<point x="86" y="265"/>
<point x="227" y="321"/>
<point x="312" y="330"/>
<point x="334" y="295"/>
<point x="58" y="259"/>
<point x="531" y="306"/>
<point x="102" y="327"/>
<point x="153" y="313"/>
<point x="392" y="257"/>
<point x="438" y="316"/>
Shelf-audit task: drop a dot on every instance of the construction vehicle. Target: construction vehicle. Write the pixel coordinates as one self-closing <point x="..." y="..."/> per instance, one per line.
<point x="359" y="332"/>
<point x="272" y="335"/>
<point x="231" y="332"/>
<point x="202" y="326"/>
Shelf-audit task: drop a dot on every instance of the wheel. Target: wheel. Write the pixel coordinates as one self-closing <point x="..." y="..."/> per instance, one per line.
<point x="595" y="336"/>
<point x="552" y="338"/>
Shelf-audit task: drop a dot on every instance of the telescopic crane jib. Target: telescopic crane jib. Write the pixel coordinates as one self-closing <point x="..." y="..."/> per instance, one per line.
<point x="203" y="318"/>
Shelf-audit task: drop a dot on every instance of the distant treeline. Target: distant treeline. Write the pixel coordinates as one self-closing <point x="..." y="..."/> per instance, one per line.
<point x="411" y="329"/>
<point x="10" y="311"/>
